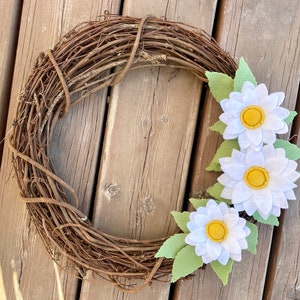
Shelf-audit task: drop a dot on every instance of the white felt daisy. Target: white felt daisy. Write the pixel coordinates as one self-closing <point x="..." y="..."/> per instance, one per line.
<point x="253" y="116"/>
<point x="217" y="232"/>
<point x="259" y="181"/>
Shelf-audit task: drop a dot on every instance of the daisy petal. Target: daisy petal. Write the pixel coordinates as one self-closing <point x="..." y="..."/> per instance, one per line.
<point x="214" y="249"/>
<point x="241" y="223"/>
<point x="290" y="195"/>
<point x="241" y="193"/>
<point x="231" y="245"/>
<point x="280" y="184"/>
<point x="234" y="107"/>
<point x="237" y="233"/>
<point x="281" y="113"/>
<point x="291" y="176"/>
<point x="201" y="220"/>
<point x="223" y="257"/>
<point x="235" y="127"/>
<point x="279" y="200"/>
<point x="276" y="165"/>
<point x="227" y="193"/>
<point x="248" y="86"/>
<point x="249" y="97"/>
<point x="235" y="171"/>
<point x="235" y="96"/>
<point x="243" y="244"/>
<point x="238" y="157"/>
<point x="191" y="226"/>
<point x="273" y="123"/>
<point x="269" y="103"/>
<point x="236" y="257"/>
<point x="261" y="90"/>
<point x="214" y="213"/>
<point x="200" y="249"/>
<point x="254" y="158"/>
<point x="230" y="220"/>
<point x="275" y="211"/>
<point x="223" y="208"/>
<point x="292" y="165"/>
<point x="279" y="152"/>
<point x="196" y="236"/>
<point x="263" y="200"/>
<point x="250" y="207"/>
<point x="224" y="179"/>
<point x="255" y="136"/>
<point x="226" y="117"/>
<point x="269" y="137"/>
<point x="280" y="97"/>
<point x="284" y="129"/>
<point x="239" y="206"/>
<point x="206" y="258"/>
<point x="244" y="143"/>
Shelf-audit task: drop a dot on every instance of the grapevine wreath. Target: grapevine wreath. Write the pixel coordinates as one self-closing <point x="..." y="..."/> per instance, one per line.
<point x="258" y="170"/>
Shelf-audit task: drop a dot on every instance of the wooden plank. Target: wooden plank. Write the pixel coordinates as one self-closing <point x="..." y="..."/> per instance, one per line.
<point x="27" y="269"/>
<point x="10" y="16"/>
<point x="284" y="267"/>
<point x="284" y="272"/>
<point x="268" y="52"/>
<point x="149" y="137"/>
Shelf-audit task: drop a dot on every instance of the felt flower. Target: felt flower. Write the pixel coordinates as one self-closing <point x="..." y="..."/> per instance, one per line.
<point x="259" y="181"/>
<point x="217" y="232"/>
<point x="253" y="116"/>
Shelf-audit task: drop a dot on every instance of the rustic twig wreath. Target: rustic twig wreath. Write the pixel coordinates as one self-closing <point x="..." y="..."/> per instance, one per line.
<point x="85" y="61"/>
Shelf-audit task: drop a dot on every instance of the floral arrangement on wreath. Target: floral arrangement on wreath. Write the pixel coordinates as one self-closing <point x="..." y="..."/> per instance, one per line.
<point x="258" y="177"/>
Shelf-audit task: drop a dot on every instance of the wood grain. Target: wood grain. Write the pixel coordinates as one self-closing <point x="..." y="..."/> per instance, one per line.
<point x="258" y="32"/>
<point x="284" y="272"/>
<point x="26" y="267"/>
<point x="10" y="16"/>
<point x="146" y="153"/>
<point x="149" y="136"/>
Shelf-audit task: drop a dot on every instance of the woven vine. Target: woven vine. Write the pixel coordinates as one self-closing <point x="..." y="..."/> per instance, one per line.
<point x="82" y="63"/>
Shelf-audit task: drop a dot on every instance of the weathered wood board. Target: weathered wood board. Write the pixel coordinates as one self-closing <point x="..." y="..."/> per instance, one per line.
<point x="148" y="117"/>
<point x="26" y="266"/>
<point x="148" y="139"/>
<point x="259" y="33"/>
<point x="10" y="16"/>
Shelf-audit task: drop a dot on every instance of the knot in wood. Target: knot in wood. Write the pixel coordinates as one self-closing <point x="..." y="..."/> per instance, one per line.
<point x="112" y="189"/>
<point x="147" y="204"/>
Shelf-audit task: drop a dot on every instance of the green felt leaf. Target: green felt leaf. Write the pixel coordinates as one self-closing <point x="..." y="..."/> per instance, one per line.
<point x="181" y="218"/>
<point x="292" y="152"/>
<point x="219" y="126"/>
<point x="291" y="117"/>
<point x="272" y="220"/>
<point x="222" y="271"/>
<point x="216" y="190"/>
<point x="224" y="150"/>
<point x="243" y="74"/>
<point x="252" y="238"/>
<point x="172" y="246"/>
<point x="185" y="263"/>
<point x="220" y="85"/>
<point x="198" y="202"/>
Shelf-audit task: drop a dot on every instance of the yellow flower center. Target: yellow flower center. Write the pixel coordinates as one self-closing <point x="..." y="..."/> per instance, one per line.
<point x="252" y="116"/>
<point x="256" y="178"/>
<point x="216" y="230"/>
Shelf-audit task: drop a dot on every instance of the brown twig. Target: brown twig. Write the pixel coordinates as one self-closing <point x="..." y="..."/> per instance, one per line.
<point x="91" y="57"/>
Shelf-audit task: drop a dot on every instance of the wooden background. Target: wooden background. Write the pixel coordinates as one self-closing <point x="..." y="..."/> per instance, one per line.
<point x="153" y="143"/>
